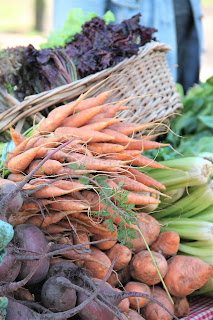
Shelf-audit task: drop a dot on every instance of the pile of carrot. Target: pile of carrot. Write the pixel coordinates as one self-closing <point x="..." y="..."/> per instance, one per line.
<point x="68" y="208"/>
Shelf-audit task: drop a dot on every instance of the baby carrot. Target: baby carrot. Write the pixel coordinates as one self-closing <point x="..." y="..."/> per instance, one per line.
<point x="83" y="134"/>
<point x="67" y="203"/>
<point x="143" y="178"/>
<point x="93" y="102"/>
<point x="129" y="128"/>
<point x="16" y="136"/>
<point x="79" y="119"/>
<point x="118" y="137"/>
<point x="104" y="148"/>
<point x="22" y="161"/>
<point x="16" y="151"/>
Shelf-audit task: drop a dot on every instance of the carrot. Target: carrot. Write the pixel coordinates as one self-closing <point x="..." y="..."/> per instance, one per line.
<point x="167" y="243"/>
<point x="186" y="274"/>
<point x="16" y="136"/>
<point x="137" y="303"/>
<point x="132" y="185"/>
<point x="122" y="253"/>
<point x="181" y="306"/>
<point x="118" y="137"/>
<point x="51" y="167"/>
<point x="21" y="162"/>
<point x="96" y="164"/>
<point x="142" y="161"/>
<point x="16" y="151"/>
<point x="50" y="192"/>
<point x="103" y="148"/>
<point x="33" y="164"/>
<point x="113" y="108"/>
<point x="50" y="142"/>
<point x="16" y="220"/>
<point x="58" y="115"/>
<point x="152" y="311"/>
<point x="96" y="205"/>
<point x="143" y="178"/>
<point x="107" y="244"/>
<point x="97" y="264"/>
<point x="70" y="171"/>
<point x="100" y="124"/>
<point x="144" y="144"/>
<point x="41" y="153"/>
<point x="93" y="102"/>
<point x="68" y="203"/>
<point x="16" y="177"/>
<point x="126" y="155"/>
<point x="130" y="128"/>
<point x="83" y="134"/>
<point x="149" y="227"/>
<point x="34" y="205"/>
<point x="39" y="221"/>
<point x="79" y="119"/>
<point x="133" y="197"/>
<point x="143" y="269"/>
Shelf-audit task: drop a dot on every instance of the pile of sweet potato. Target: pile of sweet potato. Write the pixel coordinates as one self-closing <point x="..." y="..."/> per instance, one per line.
<point x="78" y="207"/>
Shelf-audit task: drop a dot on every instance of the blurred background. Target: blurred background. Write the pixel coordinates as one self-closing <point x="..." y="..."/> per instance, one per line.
<point x="29" y="22"/>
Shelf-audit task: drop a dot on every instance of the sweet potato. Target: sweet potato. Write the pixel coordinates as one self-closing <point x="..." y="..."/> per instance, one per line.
<point x="167" y="243"/>
<point x="137" y="303"/>
<point x="143" y="269"/>
<point x="186" y="274"/>
<point x="150" y="229"/>
<point x="97" y="263"/>
<point x="133" y="315"/>
<point x="122" y="253"/>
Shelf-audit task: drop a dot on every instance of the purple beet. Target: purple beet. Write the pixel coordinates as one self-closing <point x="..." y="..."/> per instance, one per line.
<point x="10" y="267"/>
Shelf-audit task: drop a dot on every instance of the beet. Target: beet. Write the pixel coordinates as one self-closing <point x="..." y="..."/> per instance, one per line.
<point x="16" y="311"/>
<point x="62" y="269"/>
<point x="30" y="237"/>
<point x="56" y="294"/>
<point x="10" y="267"/>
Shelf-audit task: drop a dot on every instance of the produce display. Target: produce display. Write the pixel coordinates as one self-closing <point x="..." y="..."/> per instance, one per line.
<point x="91" y="220"/>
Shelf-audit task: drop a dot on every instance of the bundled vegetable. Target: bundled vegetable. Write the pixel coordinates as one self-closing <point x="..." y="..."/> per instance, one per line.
<point x="81" y="189"/>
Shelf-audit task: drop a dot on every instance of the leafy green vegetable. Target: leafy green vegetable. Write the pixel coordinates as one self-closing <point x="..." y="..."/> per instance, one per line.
<point x="193" y="127"/>
<point x="76" y="18"/>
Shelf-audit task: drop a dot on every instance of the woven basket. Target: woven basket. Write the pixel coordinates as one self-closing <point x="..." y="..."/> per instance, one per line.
<point x="145" y="76"/>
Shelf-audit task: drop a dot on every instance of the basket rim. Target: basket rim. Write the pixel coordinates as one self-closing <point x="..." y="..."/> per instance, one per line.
<point x="45" y="96"/>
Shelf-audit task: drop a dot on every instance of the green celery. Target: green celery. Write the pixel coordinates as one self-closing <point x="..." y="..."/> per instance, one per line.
<point x="190" y="229"/>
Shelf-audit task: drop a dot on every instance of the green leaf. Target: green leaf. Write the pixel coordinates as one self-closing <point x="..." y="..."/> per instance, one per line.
<point x="109" y="17"/>
<point x="206" y="120"/>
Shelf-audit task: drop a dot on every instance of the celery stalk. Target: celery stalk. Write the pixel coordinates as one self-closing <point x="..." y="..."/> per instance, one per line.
<point x="190" y="229"/>
<point x="205" y="215"/>
<point x="189" y="171"/>
<point x="198" y="199"/>
<point x="198" y="251"/>
<point x="174" y="194"/>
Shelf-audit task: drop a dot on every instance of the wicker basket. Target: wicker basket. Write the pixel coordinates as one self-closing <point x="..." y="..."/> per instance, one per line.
<point x="145" y="76"/>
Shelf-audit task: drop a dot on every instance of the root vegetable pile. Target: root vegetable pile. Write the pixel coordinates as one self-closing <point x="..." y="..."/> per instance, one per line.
<point x="77" y="204"/>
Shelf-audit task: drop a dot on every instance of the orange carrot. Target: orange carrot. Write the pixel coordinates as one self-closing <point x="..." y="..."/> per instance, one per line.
<point x="143" y="178"/>
<point x="38" y="220"/>
<point x="126" y="155"/>
<point x="79" y="119"/>
<point x="50" y="192"/>
<point x="144" y="144"/>
<point x="50" y="167"/>
<point x="16" y="136"/>
<point x="34" y="205"/>
<point x="112" y="108"/>
<point x="93" y="102"/>
<point x="129" y="128"/>
<point x="181" y="306"/>
<point x="133" y="197"/>
<point x="142" y="161"/>
<point x="100" y="124"/>
<point x="132" y="185"/>
<point x="67" y="203"/>
<point x="50" y="142"/>
<point x="83" y="134"/>
<point x="106" y="244"/>
<point x="118" y="137"/>
<point x="22" y="161"/>
<point x="58" y="115"/>
<point x="103" y="148"/>
<point x="123" y="305"/>
<point x="95" y="164"/>
<point x="16" y="151"/>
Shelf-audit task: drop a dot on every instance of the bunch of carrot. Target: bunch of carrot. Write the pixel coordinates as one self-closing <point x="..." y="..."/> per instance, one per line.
<point x="68" y="199"/>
